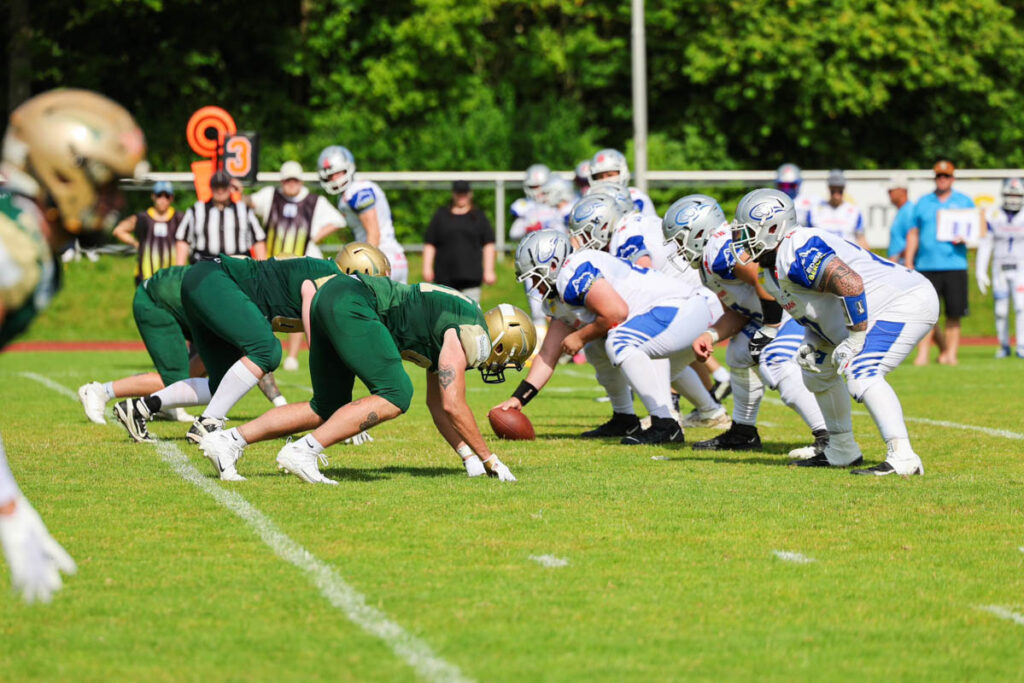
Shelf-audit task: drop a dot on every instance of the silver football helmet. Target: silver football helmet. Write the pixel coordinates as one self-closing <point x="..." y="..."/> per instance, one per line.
<point x="334" y="160"/>
<point x="1013" y="195"/>
<point x="688" y="224"/>
<point x="787" y="179"/>
<point x="556" y="191"/>
<point x="593" y="219"/>
<point x="582" y="178"/>
<point x="535" y="179"/>
<point x="607" y="161"/>
<point x="763" y="217"/>
<point x="621" y="195"/>
<point x="539" y="257"/>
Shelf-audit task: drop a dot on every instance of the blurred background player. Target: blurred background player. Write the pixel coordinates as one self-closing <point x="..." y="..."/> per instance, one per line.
<point x="458" y="249"/>
<point x="294" y="219"/>
<point x="838" y="216"/>
<point x="789" y="180"/>
<point x="582" y="178"/>
<point x="1003" y="247"/>
<point x="610" y="165"/>
<point x="364" y="206"/>
<point x="63" y="154"/>
<point x="219" y="226"/>
<point x="899" y="198"/>
<point x="151" y="232"/>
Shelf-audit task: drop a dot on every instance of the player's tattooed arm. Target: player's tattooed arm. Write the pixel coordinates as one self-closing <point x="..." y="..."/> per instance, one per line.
<point x="841" y="280"/>
<point x="445" y="376"/>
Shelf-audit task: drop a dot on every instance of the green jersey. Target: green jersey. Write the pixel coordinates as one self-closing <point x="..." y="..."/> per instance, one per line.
<point x="164" y="288"/>
<point x="417" y="316"/>
<point x="29" y="275"/>
<point x="275" y="286"/>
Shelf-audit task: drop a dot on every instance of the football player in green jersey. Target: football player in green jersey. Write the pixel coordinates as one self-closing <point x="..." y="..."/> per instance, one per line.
<point x="63" y="153"/>
<point x="365" y="326"/>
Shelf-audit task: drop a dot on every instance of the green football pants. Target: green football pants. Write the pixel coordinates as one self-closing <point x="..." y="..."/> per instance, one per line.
<point x="163" y="336"/>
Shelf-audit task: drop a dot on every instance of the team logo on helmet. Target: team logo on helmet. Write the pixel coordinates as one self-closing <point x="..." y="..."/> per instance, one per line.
<point x="691" y="213"/>
<point x="767" y="209"/>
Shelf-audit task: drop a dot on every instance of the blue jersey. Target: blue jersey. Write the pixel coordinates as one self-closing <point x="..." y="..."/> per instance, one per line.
<point x="898" y="232"/>
<point x="933" y="254"/>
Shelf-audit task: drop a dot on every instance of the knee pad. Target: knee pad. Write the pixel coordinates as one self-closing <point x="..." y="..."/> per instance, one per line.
<point x="817" y="382"/>
<point x="857" y="386"/>
<point x="267" y="354"/>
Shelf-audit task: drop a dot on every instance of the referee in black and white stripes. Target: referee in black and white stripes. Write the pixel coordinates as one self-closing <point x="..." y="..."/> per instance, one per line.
<point x="219" y="226"/>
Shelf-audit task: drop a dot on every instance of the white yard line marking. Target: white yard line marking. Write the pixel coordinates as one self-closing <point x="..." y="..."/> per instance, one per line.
<point x="414" y="651"/>
<point x="550" y="561"/>
<point x="796" y="558"/>
<point x="1005" y="433"/>
<point x="1002" y="613"/>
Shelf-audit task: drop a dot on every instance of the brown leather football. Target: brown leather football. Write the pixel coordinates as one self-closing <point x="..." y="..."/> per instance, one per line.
<point x="511" y="424"/>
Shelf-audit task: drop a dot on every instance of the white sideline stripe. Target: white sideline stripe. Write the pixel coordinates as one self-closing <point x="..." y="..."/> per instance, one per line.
<point x="796" y="558"/>
<point x="1005" y="433"/>
<point x="49" y="383"/>
<point x="415" y="652"/>
<point x="1002" y="613"/>
<point x="550" y="561"/>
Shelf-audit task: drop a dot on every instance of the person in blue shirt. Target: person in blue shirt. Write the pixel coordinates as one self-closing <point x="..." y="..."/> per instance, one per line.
<point x="904" y="218"/>
<point x="943" y="263"/>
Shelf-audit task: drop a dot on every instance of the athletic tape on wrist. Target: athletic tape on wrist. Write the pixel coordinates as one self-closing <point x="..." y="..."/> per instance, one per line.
<point x="464" y="451"/>
<point x="713" y="333"/>
<point x="525" y="392"/>
<point x="856" y="308"/>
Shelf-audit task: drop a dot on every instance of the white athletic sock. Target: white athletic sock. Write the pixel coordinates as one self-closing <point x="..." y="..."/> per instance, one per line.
<point x="721" y="374"/>
<point x="687" y="383"/>
<point x="309" y="442"/>
<point x="109" y="388"/>
<point x="194" y="391"/>
<point x="747" y="392"/>
<point x="881" y="401"/>
<point x="1002" y="312"/>
<point x="237" y="436"/>
<point x="650" y="385"/>
<point x="795" y="395"/>
<point x="237" y="382"/>
<point x="835" y="407"/>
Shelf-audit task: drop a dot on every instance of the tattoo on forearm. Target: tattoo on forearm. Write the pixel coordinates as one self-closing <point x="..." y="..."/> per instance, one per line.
<point x="370" y="420"/>
<point x="840" y="279"/>
<point x="445" y="376"/>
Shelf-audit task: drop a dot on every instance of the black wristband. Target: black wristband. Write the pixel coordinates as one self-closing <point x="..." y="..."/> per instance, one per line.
<point x="771" y="311"/>
<point x="525" y="392"/>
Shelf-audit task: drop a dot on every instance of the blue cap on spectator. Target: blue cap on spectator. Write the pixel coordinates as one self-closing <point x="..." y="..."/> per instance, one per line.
<point x="163" y="186"/>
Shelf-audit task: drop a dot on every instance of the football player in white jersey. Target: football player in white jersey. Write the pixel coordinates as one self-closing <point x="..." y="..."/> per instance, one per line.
<point x="530" y="214"/>
<point x="862" y="316"/>
<point x="364" y="206"/>
<point x="611" y="165"/>
<point x="1003" y="248"/>
<point x="560" y="196"/>
<point x="838" y="216"/>
<point x="696" y="228"/>
<point x="642" y="314"/>
<point x="789" y="180"/>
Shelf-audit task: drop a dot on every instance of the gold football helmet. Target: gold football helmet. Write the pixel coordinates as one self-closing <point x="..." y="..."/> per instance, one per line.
<point x="513" y="338"/>
<point x="74" y="145"/>
<point x="360" y="257"/>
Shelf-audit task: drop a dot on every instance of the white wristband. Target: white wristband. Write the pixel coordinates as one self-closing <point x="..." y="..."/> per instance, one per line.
<point x="464" y="451"/>
<point x="714" y="334"/>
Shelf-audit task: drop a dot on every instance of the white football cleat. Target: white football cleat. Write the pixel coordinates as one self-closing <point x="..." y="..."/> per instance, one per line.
<point x="474" y="466"/>
<point x="900" y="459"/>
<point x="173" y="415"/>
<point x="301" y="461"/>
<point x="94" y="399"/>
<point x="223" y="451"/>
<point x="290" y="364"/>
<point x="716" y="417"/>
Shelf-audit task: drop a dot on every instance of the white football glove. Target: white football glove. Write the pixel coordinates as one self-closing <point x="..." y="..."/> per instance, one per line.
<point x="762" y="338"/>
<point x="36" y="560"/>
<point x="983" y="281"/>
<point x="359" y="439"/>
<point x="805" y="358"/>
<point x="496" y="468"/>
<point x="847" y="349"/>
<point x="474" y="466"/>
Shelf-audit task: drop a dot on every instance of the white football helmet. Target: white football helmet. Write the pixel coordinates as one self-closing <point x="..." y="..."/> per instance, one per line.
<point x="763" y="217"/>
<point x="621" y="195"/>
<point x="557" y="190"/>
<point x="1013" y="195"/>
<point x="537" y="176"/>
<point x="582" y="178"/>
<point x="788" y="179"/>
<point x="539" y="257"/>
<point x="334" y="160"/>
<point x="688" y="224"/>
<point x="593" y="219"/>
<point x="608" y="160"/>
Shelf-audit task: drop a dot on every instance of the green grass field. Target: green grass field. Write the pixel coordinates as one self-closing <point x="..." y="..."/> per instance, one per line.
<point x="670" y="567"/>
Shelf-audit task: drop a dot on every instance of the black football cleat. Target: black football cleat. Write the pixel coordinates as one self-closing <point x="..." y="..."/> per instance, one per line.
<point x="662" y="430"/>
<point x="737" y="438"/>
<point x="821" y="461"/>
<point x="621" y="424"/>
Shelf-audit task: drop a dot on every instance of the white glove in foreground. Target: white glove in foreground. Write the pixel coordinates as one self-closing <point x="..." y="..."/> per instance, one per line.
<point x="983" y="281"/>
<point x="805" y="358"/>
<point x="36" y="560"/>
<point x="848" y="349"/>
<point x="359" y="439"/>
<point x="496" y="468"/>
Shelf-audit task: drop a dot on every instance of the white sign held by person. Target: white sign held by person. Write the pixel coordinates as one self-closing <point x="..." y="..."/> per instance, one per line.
<point x="959" y="225"/>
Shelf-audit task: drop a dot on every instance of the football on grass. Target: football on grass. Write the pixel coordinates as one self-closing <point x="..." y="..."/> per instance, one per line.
<point x="511" y="424"/>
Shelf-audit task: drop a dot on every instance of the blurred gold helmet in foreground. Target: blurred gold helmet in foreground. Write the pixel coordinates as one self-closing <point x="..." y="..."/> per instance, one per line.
<point x="360" y="257"/>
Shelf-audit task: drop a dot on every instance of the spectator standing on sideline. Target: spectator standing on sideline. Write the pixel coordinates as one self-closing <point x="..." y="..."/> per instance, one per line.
<point x="294" y="219"/>
<point x="838" y="216"/>
<point x="943" y="263"/>
<point x="219" y="226"/>
<point x="151" y="232"/>
<point x="459" y="247"/>
<point x="904" y="218"/>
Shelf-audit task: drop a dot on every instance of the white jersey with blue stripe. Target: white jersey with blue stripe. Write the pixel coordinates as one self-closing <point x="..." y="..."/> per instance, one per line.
<point x="845" y="221"/>
<point x="642" y="202"/>
<point x="637" y="235"/>
<point x="361" y="196"/>
<point x="800" y="262"/>
<point x="573" y="316"/>
<point x="1007" y="235"/>
<point x="716" y="272"/>
<point x="530" y="216"/>
<point x="641" y="288"/>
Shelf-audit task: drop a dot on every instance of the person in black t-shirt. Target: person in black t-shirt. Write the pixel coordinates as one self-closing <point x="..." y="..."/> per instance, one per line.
<point x="459" y="247"/>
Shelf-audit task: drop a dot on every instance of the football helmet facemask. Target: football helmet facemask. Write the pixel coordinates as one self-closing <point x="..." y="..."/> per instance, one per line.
<point x="539" y="257"/>
<point x="334" y="160"/>
<point x="763" y="217"/>
<point x="513" y="339"/>
<point x="1013" y="195"/>
<point x="688" y="224"/>
<point x="360" y="257"/>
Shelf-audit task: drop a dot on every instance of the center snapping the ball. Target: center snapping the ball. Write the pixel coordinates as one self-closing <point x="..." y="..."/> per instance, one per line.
<point x="511" y="424"/>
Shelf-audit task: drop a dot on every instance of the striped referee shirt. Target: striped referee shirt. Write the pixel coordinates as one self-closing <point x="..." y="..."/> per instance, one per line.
<point x="211" y="230"/>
